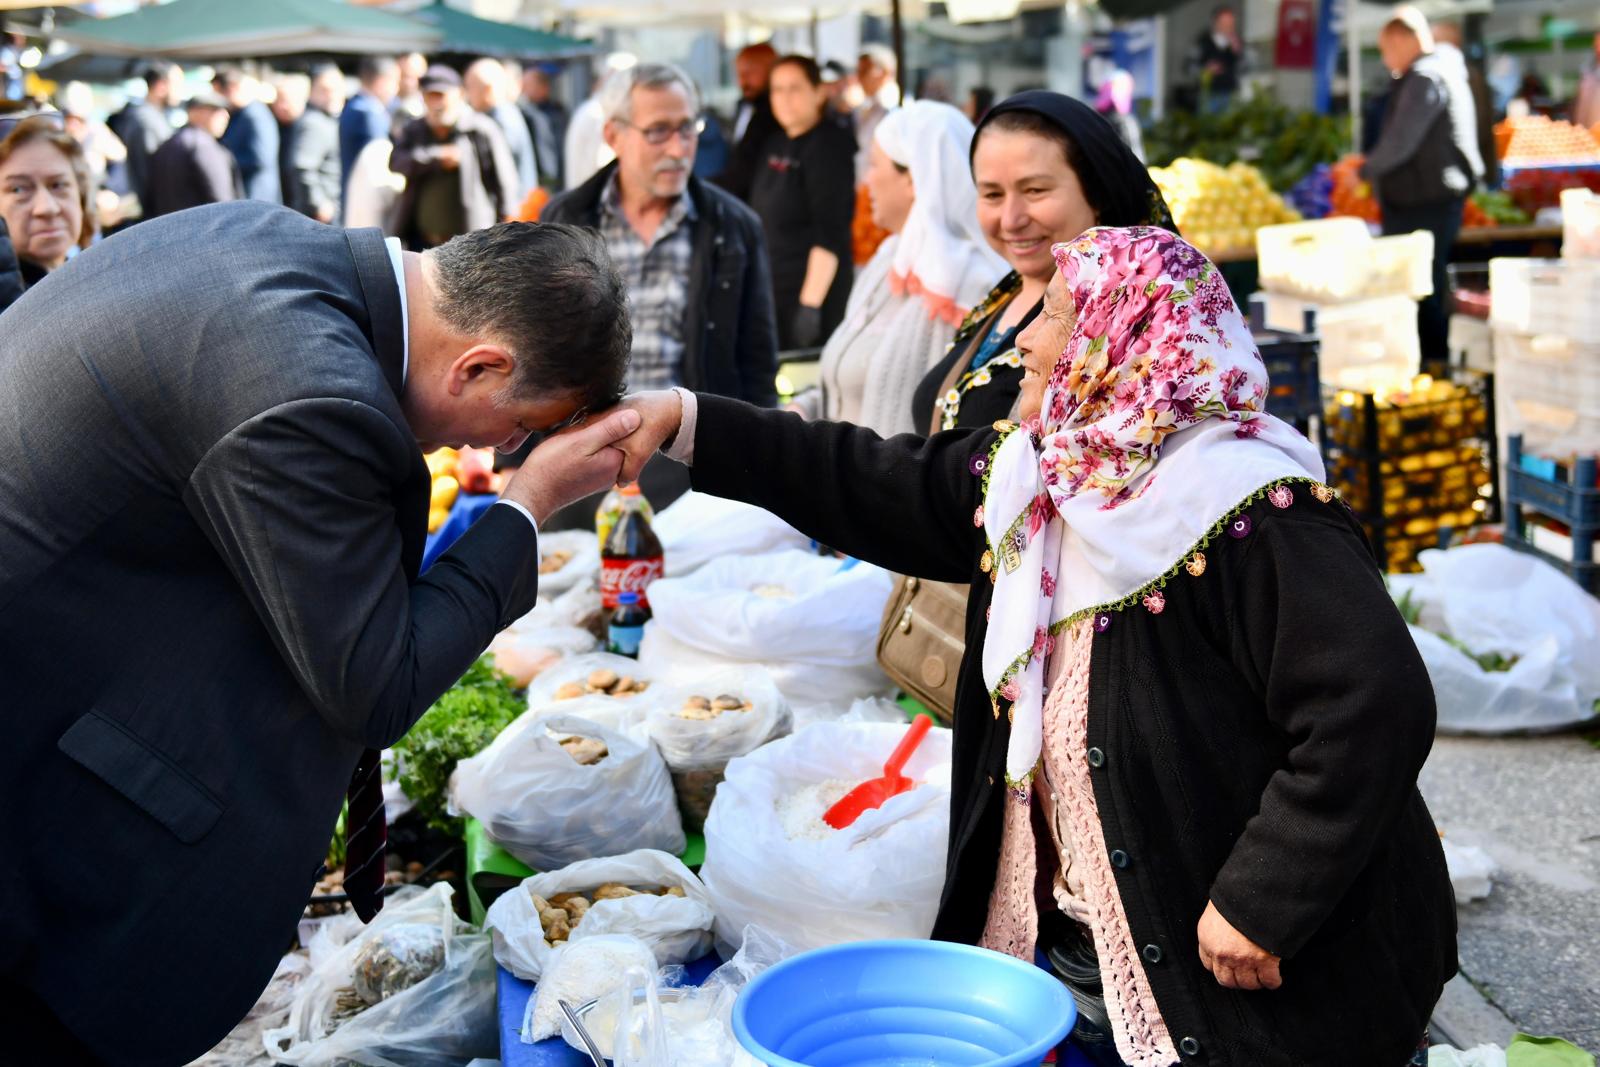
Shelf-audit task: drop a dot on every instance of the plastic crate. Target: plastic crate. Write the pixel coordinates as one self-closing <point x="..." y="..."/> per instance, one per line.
<point x="1580" y="224"/>
<point x="1573" y="500"/>
<point x="1548" y="384"/>
<point x="1586" y="574"/>
<point x="1546" y="296"/>
<point x="1335" y="260"/>
<point x="1294" y="391"/>
<point x="1441" y="415"/>
<point x="1369" y="344"/>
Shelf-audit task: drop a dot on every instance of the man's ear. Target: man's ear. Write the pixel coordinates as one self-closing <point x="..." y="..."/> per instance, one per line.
<point x="486" y="363"/>
<point x="612" y="132"/>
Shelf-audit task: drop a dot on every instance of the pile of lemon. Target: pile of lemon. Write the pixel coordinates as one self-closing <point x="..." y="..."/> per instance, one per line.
<point x="1218" y="209"/>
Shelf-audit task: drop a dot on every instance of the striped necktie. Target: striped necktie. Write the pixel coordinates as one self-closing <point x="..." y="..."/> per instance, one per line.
<point x="366" y="832"/>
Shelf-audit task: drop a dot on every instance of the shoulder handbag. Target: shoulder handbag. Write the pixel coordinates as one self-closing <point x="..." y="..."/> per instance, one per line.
<point x="922" y="639"/>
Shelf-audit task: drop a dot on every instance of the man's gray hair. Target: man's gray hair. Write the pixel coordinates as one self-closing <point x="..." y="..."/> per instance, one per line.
<point x="882" y="56"/>
<point x="616" y="99"/>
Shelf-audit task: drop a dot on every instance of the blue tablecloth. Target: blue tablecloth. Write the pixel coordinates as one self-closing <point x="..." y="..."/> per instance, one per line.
<point x="468" y="508"/>
<point x="513" y="993"/>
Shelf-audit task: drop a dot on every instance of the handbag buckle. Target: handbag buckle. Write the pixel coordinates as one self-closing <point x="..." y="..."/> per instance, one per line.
<point x="905" y="618"/>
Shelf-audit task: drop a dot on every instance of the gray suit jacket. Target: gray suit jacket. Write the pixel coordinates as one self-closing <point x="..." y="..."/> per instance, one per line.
<point x="313" y="171"/>
<point x="212" y="513"/>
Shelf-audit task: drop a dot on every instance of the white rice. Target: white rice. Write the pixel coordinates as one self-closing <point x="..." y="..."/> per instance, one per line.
<point x="800" y="812"/>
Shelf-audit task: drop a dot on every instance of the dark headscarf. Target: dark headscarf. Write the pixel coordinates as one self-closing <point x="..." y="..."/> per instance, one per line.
<point x="1116" y="184"/>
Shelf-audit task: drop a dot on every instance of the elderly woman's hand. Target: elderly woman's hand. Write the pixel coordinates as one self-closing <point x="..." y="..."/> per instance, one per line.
<point x="1235" y="960"/>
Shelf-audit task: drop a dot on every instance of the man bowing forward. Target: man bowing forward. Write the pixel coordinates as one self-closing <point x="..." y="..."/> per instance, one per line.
<point x="212" y="513"/>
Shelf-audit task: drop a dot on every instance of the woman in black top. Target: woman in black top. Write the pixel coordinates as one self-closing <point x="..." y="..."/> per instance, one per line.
<point x="804" y="192"/>
<point x="44" y="199"/>
<point x="1047" y="168"/>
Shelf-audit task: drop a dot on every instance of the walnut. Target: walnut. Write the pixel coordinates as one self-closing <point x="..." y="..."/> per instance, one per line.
<point x="614" y="891"/>
<point x="586" y="751"/>
<point x="602" y="681"/>
<point x="570" y="691"/>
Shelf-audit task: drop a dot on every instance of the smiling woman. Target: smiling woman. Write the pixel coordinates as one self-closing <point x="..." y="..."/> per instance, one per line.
<point x="1047" y="168"/>
<point x="44" y="194"/>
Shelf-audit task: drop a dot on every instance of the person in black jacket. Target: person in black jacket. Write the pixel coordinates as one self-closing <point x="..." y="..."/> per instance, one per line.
<point x="804" y="191"/>
<point x="1426" y="160"/>
<point x="752" y="122"/>
<point x="1189" y="719"/>
<point x="143" y="125"/>
<point x="10" y="271"/>
<point x="693" y="256"/>
<point x="193" y="167"/>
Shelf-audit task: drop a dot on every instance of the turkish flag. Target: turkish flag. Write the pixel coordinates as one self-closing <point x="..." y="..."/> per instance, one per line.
<point x="1297" y="35"/>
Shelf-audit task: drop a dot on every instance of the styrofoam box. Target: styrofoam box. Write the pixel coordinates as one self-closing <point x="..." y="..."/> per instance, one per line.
<point x="1369" y="344"/>
<point x="1335" y="260"/>
<point x="1580" y="224"/>
<point x="1546" y="296"/>
<point x="1546" y="385"/>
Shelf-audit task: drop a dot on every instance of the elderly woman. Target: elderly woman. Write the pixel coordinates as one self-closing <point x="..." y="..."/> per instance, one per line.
<point x="1047" y="167"/>
<point x="44" y="193"/>
<point x="1190" y="720"/>
<point x="908" y="299"/>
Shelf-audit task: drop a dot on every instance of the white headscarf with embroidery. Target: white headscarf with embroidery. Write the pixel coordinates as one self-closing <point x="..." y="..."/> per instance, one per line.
<point x="1160" y="371"/>
<point x="941" y="255"/>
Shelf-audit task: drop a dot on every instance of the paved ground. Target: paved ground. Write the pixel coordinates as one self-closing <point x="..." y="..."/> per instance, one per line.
<point x="1532" y="948"/>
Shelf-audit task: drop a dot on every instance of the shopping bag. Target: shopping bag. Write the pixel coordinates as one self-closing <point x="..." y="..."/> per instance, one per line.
<point x="698" y="528"/>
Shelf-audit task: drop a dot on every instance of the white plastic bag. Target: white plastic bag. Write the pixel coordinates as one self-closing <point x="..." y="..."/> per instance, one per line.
<point x="578" y="607"/>
<point x="1477" y="1056"/>
<point x="708" y="744"/>
<point x="542" y="694"/>
<point x="867" y="709"/>
<point x="446" y="1018"/>
<point x="583" y="562"/>
<point x="677" y="929"/>
<point x="1471" y="871"/>
<point x="578" y="973"/>
<point x="548" y="810"/>
<point x="879" y="878"/>
<point x="526" y="654"/>
<point x="697" y="528"/>
<point x="811" y="620"/>
<point x="1494" y="600"/>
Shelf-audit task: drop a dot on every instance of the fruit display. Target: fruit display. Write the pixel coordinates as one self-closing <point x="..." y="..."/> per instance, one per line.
<point x="1542" y="187"/>
<point x="1537" y="140"/>
<point x="1485" y="208"/>
<point x="457" y="471"/>
<point x="1312" y="195"/>
<point x="1411" y="462"/>
<point x="1219" y="209"/>
<point x="1284" y="144"/>
<point x="1352" y="195"/>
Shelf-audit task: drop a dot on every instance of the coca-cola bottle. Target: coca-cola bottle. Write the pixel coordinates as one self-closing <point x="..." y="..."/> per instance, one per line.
<point x="631" y="557"/>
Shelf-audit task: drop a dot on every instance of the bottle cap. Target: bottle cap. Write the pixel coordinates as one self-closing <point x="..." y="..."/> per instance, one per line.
<point x="631" y="489"/>
<point x="627" y="598"/>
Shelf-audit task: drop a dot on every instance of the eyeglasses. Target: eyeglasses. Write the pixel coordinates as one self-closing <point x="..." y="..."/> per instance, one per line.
<point x="16" y="118"/>
<point x="662" y="132"/>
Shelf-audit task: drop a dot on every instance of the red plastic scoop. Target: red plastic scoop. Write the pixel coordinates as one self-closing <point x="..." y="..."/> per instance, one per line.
<point x="873" y="792"/>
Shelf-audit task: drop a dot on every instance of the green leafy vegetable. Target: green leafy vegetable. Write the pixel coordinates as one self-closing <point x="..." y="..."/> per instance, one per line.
<point x="460" y="724"/>
<point x="1282" y="143"/>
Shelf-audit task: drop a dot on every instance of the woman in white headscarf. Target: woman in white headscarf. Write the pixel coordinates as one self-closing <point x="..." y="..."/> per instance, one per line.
<point x="910" y="297"/>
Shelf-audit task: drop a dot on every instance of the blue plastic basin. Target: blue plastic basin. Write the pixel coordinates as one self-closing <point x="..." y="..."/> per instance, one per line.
<point x="902" y="1004"/>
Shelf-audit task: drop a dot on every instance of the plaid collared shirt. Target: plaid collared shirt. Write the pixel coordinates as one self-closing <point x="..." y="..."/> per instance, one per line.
<point x="657" y="273"/>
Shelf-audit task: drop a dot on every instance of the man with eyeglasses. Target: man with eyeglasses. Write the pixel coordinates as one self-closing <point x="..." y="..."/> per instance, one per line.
<point x="692" y="255"/>
<point x="212" y="491"/>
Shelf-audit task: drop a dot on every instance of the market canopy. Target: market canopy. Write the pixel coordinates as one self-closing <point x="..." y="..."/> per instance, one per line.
<point x="467" y="34"/>
<point x="229" y="29"/>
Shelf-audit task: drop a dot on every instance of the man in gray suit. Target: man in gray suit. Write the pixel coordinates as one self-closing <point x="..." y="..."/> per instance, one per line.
<point x="213" y="506"/>
<point x="313" y="181"/>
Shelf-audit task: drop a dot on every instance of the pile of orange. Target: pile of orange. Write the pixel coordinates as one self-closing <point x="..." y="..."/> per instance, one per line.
<point x="1474" y="216"/>
<point x="865" y="235"/>
<point x="1351" y="195"/>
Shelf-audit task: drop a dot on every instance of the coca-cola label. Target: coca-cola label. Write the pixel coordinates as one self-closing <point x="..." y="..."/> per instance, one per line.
<point x="618" y="576"/>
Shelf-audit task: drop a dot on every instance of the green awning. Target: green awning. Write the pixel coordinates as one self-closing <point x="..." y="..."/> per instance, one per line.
<point x="231" y="29"/>
<point x="469" y="35"/>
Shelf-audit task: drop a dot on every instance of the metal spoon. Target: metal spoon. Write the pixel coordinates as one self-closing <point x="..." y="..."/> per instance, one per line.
<point x="577" y="1025"/>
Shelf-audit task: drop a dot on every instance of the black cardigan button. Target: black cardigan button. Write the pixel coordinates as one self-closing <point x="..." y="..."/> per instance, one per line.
<point x="1119" y="858"/>
<point x="1152" y="953"/>
<point x="1097" y="758"/>
<point x="1189" y="1047"/>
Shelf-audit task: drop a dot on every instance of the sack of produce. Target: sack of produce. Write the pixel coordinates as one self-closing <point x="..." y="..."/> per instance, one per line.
<point x="700" y="727"/>
<point x="646" y="894"/>
<point x="553" y="790"/>
<point x="581" y="972"/>
<point x="811" y="620"/>
<point x="599" y="674"/>
<point x="696" y="529"/>
<point x="526" y="654"/>
<point x="566" y="558"/>
<point x="413" y="989"/>
<point x="771" y="861"/>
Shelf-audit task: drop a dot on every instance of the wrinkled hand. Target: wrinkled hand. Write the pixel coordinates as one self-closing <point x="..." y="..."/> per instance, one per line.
<point x="1235" y="960"/>
<point x="660" y="414"/>
<point x="570" y="465"/>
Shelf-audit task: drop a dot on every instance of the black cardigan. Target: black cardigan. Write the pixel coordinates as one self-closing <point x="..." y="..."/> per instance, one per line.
<point x="1261" y="740"/>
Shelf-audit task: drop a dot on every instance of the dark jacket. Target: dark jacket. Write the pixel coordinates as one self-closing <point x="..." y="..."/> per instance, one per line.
<point x="209" y="493"/>
<point x="746" y="156"/>
<point x="489" y="182"/>
<point x="1428" y="151"/>
<point x="252" y="137"/>
<point x="143" y="128"/>
<point x="10" y="272"/>
<point x="732" y="342"/>
<point x="363" y="120"/>
<point x="313" y="164"/>
<point x="1256" y="744"/>
<point x="191" y="169"/>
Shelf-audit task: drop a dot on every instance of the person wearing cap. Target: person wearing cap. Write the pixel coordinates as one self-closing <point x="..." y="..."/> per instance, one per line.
<point x="1426" y="161"/>
<point x="252" y="135"/>
<point x="459" y="173"/>
<point x="193" y="167"/>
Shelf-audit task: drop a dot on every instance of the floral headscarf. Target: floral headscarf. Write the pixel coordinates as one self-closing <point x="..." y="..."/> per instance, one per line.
<point x="1159" y="371"/>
